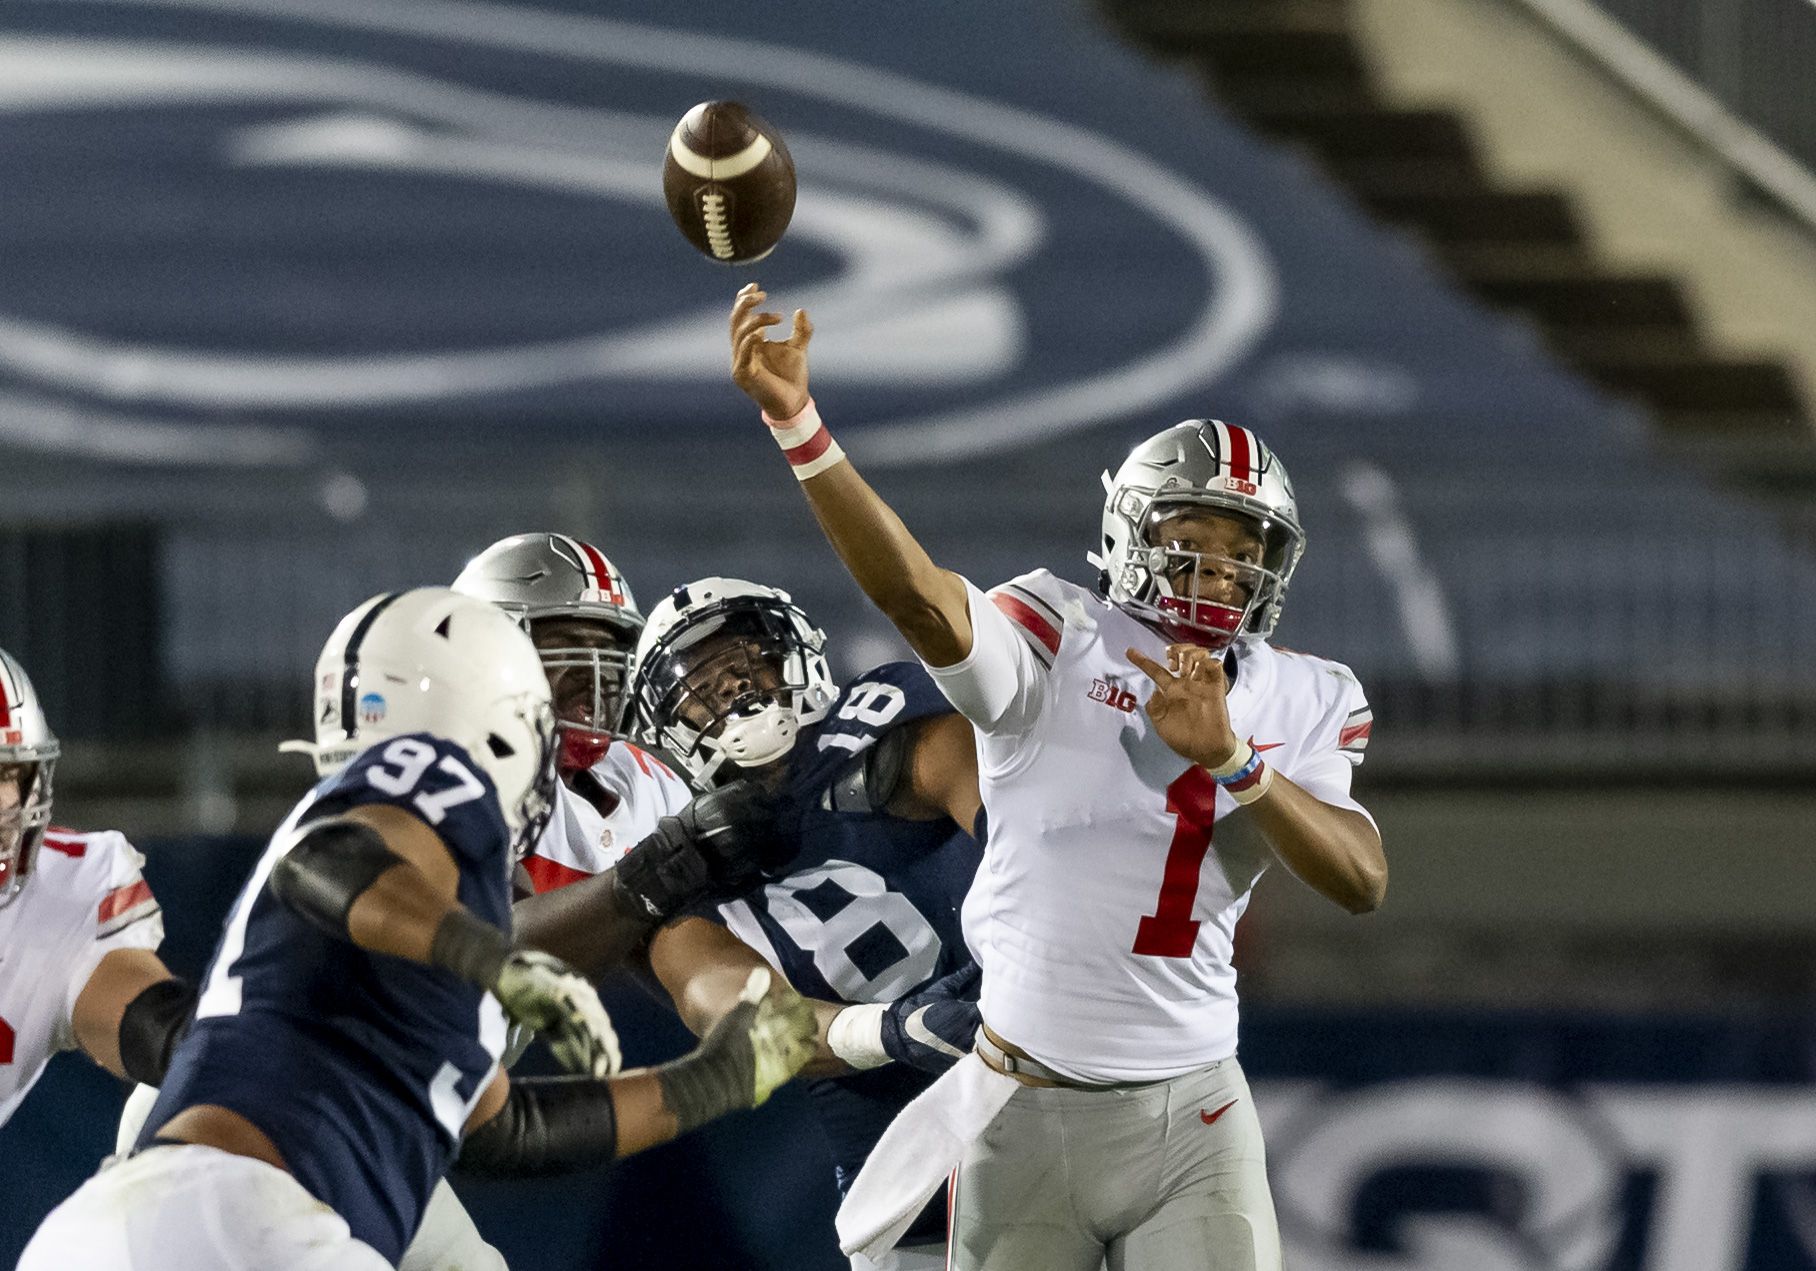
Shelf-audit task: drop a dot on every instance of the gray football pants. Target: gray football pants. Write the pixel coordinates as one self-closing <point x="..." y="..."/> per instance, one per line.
<point x="1149" y="1178"/>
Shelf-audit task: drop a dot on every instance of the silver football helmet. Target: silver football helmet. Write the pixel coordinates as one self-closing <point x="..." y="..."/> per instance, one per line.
<point x="543" y="578"/>
<point x="727" y="672"/>
<point x="1217" y="467"/>
<point x="28" y="749"/>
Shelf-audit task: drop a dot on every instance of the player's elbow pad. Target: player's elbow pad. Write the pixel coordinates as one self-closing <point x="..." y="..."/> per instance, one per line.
<point x="331" y="867"/>
<point x="548" y="1125"/>
<point x="151" y="1026"/>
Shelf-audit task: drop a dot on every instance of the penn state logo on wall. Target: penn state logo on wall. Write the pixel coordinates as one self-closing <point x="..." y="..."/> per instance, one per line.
<point x="366" y="210"/>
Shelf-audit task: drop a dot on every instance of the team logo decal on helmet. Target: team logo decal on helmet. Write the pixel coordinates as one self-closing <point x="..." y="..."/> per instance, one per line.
<point x="28" y="752"/>
<point x="579" y="609"/>
<point x="726" y="675"/>
<point x="1210" y="466"/>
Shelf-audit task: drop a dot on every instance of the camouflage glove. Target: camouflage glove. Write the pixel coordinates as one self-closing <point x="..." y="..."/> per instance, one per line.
<point x="548" y="995"/>
<point x="756" y="1048"/>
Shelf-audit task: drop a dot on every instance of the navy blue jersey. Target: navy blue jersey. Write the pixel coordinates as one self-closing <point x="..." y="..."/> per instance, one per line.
<point x="869" y="911"/>
<point x="361" y="1068"/>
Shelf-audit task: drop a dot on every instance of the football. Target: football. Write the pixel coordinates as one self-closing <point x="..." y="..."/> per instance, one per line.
<point x="729" y="182"/>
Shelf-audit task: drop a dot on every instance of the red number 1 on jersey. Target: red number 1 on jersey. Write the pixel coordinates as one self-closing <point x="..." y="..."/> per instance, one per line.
<point x="1171" y="931"/>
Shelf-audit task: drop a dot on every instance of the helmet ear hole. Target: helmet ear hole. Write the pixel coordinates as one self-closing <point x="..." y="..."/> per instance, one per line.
<point x="500" y="748"/>
<point x="441" y="628"/>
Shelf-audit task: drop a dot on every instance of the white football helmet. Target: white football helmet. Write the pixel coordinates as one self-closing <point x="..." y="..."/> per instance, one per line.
<point x="1208" y="464"/>
<point x="545" y="577"/>
<point x="434" y="661"/>
<point x="27" y="743"/>
<point x="727" y="672"/>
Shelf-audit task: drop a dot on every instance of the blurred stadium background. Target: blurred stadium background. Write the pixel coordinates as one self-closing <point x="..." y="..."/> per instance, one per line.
<point x="305" y="299"/>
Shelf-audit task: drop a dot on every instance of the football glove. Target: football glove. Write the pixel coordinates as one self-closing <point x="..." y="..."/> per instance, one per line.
<point x="548" y="995"/>
<point x="757" y="1047"/>
<point x="723" y="843"/>
<point x="931" y="1029"/>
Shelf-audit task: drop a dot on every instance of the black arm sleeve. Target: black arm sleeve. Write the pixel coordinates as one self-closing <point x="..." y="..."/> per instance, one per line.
<point x="548" y="1125"/>
<point x="152" y="1025"/>
<point x="331" y="866"/>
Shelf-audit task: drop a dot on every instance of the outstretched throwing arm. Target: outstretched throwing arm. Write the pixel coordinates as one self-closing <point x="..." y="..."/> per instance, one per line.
<point x="926" y="603"/>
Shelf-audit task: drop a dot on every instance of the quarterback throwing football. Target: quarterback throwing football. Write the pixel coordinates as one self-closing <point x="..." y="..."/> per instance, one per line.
<point x="1104" y="1115"/>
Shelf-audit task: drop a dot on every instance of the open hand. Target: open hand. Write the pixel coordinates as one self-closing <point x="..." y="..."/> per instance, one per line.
<point x="1188" y="703"/>
<point x="772" y="373"/>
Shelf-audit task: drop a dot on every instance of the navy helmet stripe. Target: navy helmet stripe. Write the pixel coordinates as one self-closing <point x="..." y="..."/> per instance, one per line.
<point x="350" y="674"/>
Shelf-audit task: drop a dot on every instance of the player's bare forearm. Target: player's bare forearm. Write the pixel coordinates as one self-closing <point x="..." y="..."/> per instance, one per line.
<point x="644" y="1118"/>
<point x="926" y="603"/>
<point x="538" y="1126"/>
<point x="398" y="915"/>
<point x="116" y="982"/>
<point x="588" y="924"/>
<point x="718" y="845"/>
<point x="550" y="1125"/>
<point x="375" y="875"/>
<point x="704" y="969"/>
<point x="1334" y="851"/>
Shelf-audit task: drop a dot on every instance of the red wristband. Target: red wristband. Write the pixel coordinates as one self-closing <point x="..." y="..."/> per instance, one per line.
<point x="805" y="442"/>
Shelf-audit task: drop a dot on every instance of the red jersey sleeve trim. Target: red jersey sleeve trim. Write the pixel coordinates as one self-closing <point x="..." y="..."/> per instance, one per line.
<point x="1024" y="616"/>
<point x="547" y="875"/>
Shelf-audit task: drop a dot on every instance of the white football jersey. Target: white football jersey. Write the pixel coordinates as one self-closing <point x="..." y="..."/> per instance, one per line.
<point x="84" y="899"/>
<point x="1104" y="912"/>
<point x="581" y="842"/>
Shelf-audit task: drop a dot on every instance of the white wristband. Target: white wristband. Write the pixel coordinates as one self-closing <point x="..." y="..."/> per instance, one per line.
<point x="1245" y="774"/>
<point x="856" y="1035"/>
<point x="805" y="443"/>
<point x="1254" y="787"/>
<point x="1238" y="760"/>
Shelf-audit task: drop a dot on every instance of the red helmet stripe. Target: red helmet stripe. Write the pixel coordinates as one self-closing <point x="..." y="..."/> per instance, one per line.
<point x="7" y="690"/>
<point x="595" y="564"/>
<point x="586" y="563"/>
<point x="1240" y="454"/>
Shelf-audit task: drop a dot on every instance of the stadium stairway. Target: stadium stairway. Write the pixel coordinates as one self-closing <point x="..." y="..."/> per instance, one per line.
<point x="1391" y="98"/>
